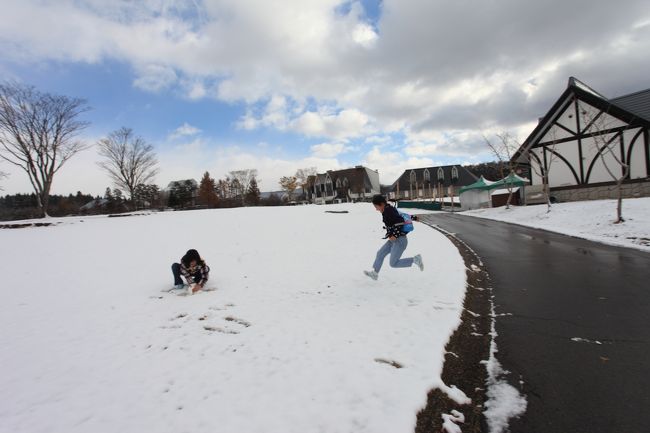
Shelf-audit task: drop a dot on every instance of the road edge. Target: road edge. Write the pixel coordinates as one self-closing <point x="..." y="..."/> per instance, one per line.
<point x="466" y="351"/>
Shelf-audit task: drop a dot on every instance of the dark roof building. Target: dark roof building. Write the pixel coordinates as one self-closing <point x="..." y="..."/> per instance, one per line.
<point x="430" y="181"/>
<point x="350" y="184"/>
<point x="637" y="103"/>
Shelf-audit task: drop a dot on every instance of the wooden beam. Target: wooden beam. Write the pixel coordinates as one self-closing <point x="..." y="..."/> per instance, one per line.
<point x="646" y="138"/>
<point x="582" y="168"/>
<point x="583" y="136"/>
<point x="565" y="128"/>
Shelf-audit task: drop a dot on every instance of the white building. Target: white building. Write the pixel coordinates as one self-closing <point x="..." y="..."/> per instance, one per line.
<point x="584" y="141"/>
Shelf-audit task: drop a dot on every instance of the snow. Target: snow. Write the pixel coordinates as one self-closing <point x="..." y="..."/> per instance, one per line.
<point x="584" y="340"/>
<point x="449" y="422"/>
<point x="591" y="220"/>
<point x="504" y="191"/>
<point x="503" y="400"/>
<point x="288" y="342"/>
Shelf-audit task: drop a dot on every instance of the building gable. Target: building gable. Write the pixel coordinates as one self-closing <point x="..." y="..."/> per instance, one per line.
<point x="584" y="138"/>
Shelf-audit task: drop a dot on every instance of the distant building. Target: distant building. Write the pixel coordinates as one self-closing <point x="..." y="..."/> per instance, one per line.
<point x="572" y="144"/>
<point x="348" y="185"/>
<point x="94" y="204"/>
<point x="430" y="182"/>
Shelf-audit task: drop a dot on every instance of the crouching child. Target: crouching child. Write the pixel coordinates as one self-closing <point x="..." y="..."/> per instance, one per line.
<point x="195" y="271"/>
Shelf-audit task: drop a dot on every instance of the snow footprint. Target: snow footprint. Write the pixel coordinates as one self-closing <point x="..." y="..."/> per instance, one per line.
<point x="210" y="328"/>
<point x="242" y="322"/>
<point x="226" y="329"/>
<point x="390" y="362"/>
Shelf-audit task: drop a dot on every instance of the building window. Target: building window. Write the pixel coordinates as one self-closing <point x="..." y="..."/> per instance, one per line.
<point x="338" y="183"/>
<point x="441" y="175"/>
<point x="345" y="182"/>
<point x="427" y="176"/>
<point x="454" y="173"/>
<point x="413" y="178"/>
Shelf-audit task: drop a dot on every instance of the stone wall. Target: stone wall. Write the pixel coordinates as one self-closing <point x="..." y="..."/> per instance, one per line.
<point x="630" y="190"/>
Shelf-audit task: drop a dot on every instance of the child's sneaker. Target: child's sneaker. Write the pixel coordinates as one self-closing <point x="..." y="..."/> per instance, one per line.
<point x="372" y="274"/>
<point x="179" y="287"/>
<point x="418" y="262"/>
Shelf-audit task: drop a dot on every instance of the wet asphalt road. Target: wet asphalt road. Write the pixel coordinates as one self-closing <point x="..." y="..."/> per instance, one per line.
<point x="556" y="297"/>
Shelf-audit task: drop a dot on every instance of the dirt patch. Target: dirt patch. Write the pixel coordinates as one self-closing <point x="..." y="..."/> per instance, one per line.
<point x="24" y="225"/>
<point x="389" y="362"/>
<point x="120" y="215"/>
<point x="466" y="350"/>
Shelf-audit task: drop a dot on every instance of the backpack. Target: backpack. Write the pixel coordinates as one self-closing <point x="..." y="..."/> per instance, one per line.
<point x="407" y="225"/>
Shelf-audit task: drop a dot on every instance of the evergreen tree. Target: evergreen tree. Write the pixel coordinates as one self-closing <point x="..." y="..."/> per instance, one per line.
<point x="182" y="193"/>
<point x="110" y="200"/>
<point x="119" y="200"/>
<point x="253" y="193"/>
<point x="207" y="191"/>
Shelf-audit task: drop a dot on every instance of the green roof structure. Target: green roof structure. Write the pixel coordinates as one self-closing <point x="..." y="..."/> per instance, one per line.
<point x="483" y="184"/>
<point x="480" y="184"/>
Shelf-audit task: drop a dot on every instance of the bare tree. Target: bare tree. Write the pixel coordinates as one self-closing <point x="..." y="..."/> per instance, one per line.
<point x="302" y="175"/>
<point x="541" y="166"/>
<point x="38" y="134"/>
<point x="243" y="178"/>
<point x="609" y="147"/>
<point x="223" y="188"/>
<point x="503" y="150"/>
<point x="129" y="160"/>
<point x="2" y="176"/>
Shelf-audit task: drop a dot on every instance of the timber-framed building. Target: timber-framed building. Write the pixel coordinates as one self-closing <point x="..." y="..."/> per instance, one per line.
<point x="586" y="142"/>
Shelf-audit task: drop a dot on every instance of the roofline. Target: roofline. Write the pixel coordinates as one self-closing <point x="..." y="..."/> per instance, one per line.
<point x="435" y="166"/>
<point x="427" y="167"/>
<point x="356" y="167"/>
<point x="630" y="94"/>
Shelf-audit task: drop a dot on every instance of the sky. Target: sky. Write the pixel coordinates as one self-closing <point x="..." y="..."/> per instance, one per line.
<point x="223" y="85"/>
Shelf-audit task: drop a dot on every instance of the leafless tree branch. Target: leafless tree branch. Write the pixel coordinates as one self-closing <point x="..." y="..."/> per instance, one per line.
<point x="128" y="159"/>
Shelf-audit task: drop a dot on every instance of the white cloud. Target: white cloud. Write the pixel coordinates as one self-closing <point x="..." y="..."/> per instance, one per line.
<point x="154" y="78"/>
<point x="345" y="124"/>
<point x="183" y="131"/>
<point x="364" y="35"/>
<point x="329" y="150"/>
<point x="392" y="164"/>
<point x="404" y="74"/>
<point x="275" y="114"/>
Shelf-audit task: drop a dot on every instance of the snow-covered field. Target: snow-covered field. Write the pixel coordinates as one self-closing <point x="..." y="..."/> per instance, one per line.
<point x="294" y="339"/>
<point x="586" y="219"/>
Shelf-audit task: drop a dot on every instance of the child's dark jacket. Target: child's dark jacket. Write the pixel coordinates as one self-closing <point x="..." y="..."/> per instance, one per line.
<point x="391" y="218"/>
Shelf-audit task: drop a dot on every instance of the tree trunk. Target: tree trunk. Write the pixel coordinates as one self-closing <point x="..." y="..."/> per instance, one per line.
<point x="509" y="198"/>
<point x="619" y="203"/>
<point x="547" y="193"/>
